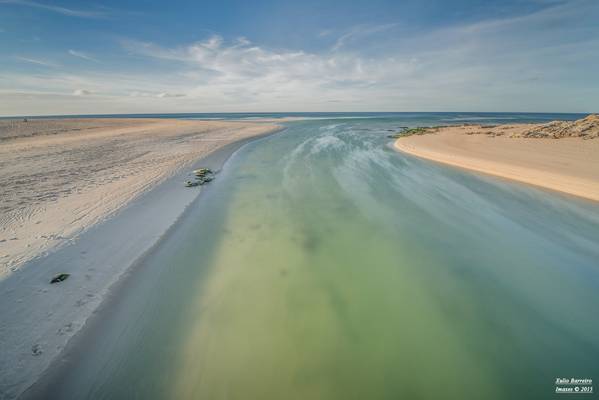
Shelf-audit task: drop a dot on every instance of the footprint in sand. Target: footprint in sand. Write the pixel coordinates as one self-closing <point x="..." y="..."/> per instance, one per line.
<point x="68" y="328"/>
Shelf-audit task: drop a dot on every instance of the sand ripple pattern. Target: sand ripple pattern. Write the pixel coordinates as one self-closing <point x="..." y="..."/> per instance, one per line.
<point x="60" y="176"/>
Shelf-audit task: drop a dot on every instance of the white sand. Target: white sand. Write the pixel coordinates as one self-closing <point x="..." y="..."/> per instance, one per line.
<point x="59" y="177"/>
<point x="569" y="164"/>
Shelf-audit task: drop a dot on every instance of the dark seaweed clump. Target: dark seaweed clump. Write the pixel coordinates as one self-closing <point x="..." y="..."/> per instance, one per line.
<point x="409" y="132"/>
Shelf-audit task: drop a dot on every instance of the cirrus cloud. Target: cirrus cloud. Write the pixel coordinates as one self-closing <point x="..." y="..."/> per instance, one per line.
<point x="82" y="55"/>
<point x="82" y="92"/>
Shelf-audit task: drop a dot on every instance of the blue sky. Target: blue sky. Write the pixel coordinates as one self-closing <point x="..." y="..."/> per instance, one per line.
<point x="73" y="57"/>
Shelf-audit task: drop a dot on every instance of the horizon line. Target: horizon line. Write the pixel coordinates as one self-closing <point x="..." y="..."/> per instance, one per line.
<point x="291" y="112"/>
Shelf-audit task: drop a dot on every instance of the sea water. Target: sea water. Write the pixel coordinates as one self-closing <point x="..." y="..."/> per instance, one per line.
<point x="322" y="264"/>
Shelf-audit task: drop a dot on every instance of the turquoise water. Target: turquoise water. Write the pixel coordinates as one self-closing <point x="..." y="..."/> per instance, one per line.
<point x="321" y="264"/>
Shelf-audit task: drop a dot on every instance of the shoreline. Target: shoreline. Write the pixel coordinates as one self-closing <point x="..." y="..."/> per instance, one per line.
<point x="47" y="317"/>
<point x="565" y="165"/>
<point x="60" y="177"/>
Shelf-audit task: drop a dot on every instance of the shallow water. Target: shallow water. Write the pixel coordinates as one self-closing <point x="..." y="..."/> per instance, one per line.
<point x="322" y="264"/>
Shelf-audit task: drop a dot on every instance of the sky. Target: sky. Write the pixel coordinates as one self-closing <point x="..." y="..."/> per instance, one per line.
<point x="131" y="56"/>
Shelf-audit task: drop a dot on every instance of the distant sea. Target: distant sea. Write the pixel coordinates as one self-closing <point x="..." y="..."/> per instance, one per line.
<point x="424" y="118"/>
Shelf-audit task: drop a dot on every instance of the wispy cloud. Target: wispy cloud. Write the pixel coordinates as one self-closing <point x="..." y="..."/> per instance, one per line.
<point x="82" y="55"/>
<point x="360" y="31"/>
<point x="37" y="61"/>
<point x="244" y="63"/>
<point x="165" y="95"/>
<point x="82" y="92"/>
<point x="57" y="9"/>
<point x="161" y="95"/>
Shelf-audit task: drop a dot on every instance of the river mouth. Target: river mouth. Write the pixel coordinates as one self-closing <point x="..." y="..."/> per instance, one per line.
<point x="321" y="264"/>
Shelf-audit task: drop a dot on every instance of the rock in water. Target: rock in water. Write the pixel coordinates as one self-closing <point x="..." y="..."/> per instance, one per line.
<point x="59" y="278"/>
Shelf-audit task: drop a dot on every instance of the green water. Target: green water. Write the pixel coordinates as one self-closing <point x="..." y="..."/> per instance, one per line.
<point x="324" y="265"/>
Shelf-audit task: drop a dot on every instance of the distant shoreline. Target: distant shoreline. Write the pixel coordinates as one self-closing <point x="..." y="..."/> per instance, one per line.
<point x="566" y="164"/>
<point x="238" y="115"/>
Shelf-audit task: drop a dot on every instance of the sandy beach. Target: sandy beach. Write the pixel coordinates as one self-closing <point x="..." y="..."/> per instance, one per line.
<point x="59" y="177"/>
<point x="88" y="197"/>
<point x="534" y="154"/>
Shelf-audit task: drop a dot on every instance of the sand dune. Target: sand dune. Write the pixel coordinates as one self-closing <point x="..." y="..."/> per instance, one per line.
<point x="560" y="156"/>
<point x="58" y="177"/>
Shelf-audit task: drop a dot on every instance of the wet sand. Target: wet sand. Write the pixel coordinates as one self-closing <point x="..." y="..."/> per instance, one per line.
<point x="61" y="176"/>
<point x="569" y="164"/>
